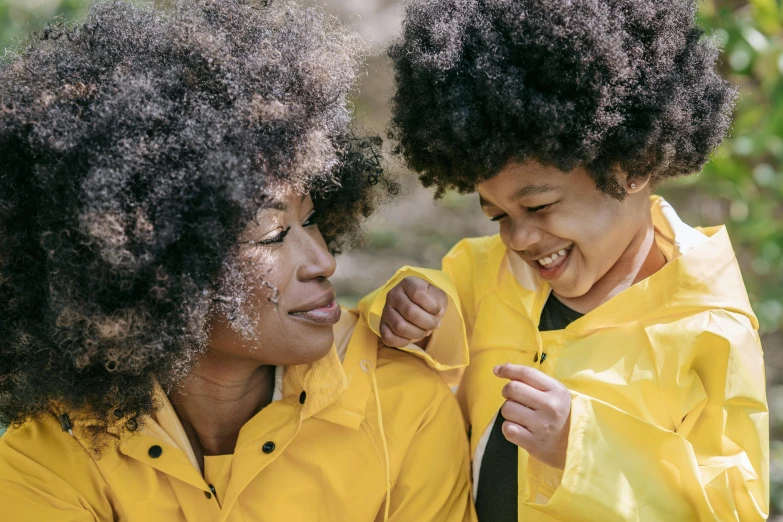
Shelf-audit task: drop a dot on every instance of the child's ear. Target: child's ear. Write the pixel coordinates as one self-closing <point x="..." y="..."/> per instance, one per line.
<point x="633" y="185"/>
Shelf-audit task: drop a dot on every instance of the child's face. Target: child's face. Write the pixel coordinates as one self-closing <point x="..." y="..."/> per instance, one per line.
<point x="563" y="220"/>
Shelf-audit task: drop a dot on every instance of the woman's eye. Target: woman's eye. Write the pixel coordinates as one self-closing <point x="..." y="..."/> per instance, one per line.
<point x="311" y="221"/>
<point x="533" y="210"/>
<point x="277" y="238"/>
<point x="498" y="218"/>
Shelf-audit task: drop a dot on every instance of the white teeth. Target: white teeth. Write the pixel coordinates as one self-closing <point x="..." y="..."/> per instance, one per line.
<point x="554" y="257"/>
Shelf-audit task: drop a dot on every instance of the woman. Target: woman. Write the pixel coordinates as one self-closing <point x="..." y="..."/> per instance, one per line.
<point x="635" y="389"/>
<point x="173" y="185"/>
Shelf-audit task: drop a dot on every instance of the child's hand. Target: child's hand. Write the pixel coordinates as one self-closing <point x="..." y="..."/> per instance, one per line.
<point x="413" y="310"/>
<point x="537" y="412"/>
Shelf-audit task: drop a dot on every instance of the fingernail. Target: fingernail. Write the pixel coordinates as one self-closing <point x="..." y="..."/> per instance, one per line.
<point x="496" y="369"/>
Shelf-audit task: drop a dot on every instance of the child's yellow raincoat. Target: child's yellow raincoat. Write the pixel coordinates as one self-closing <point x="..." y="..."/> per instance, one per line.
<point x="669" y="417"/>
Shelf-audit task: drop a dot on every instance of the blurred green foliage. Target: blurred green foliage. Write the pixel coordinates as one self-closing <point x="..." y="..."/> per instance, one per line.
<point x="743" y="184"/>
<point x="19" y="17"/>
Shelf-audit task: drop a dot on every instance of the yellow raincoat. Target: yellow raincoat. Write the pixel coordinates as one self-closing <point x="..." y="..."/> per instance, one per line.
<point x="669" y="416"/>
<point x="320" y="453"/>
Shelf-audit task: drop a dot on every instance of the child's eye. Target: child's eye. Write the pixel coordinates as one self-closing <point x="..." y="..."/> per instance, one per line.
<point x="533" y="210"/>
<point x="499" y="217"/>
<point x="312" y="220"/>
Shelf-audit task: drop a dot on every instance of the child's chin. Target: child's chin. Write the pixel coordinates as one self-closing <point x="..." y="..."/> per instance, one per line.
<point x="571" y="289"/>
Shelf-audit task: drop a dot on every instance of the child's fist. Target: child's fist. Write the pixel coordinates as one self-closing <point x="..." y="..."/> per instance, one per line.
<point x="413" y="310"/>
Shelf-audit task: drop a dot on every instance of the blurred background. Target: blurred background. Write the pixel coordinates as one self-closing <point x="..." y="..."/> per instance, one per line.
<point x="741" y="187"/>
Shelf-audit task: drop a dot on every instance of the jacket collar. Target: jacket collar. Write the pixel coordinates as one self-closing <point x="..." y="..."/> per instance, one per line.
<point x="338" y="390"/>
<point x="336" y="387"/>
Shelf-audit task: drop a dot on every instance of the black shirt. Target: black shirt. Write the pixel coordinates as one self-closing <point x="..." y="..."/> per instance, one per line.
<point x="496" y="498"/>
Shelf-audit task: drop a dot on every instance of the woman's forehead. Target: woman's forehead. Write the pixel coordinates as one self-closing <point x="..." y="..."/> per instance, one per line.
<point x="282" y="202"/>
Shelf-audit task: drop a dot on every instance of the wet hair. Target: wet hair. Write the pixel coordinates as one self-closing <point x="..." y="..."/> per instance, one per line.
<point x="134" y="149"/>
<point x="607" y="85"/>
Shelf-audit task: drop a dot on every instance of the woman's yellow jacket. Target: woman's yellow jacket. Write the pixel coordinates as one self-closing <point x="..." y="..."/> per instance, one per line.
<point x="669" y="416"/>
<point x="343" y="436"/>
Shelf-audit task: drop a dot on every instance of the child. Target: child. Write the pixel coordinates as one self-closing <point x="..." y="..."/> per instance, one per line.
<point x="615" y="367"/>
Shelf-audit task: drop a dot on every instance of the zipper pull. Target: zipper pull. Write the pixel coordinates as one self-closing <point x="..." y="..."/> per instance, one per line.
<point x="65" y="423"/>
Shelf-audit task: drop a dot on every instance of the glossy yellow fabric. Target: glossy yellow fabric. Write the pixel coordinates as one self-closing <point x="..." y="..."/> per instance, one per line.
<point x="669" y="416"/>
<point x="328" y="462"/>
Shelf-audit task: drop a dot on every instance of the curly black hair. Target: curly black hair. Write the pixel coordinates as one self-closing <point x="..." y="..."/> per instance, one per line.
<point x="606" y="85"/>
<point x="134" y="148"/>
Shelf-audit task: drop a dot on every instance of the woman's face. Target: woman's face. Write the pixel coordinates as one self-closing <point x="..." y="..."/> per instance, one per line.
<point x="561" y="224"/>
<point x="278" y="307"/>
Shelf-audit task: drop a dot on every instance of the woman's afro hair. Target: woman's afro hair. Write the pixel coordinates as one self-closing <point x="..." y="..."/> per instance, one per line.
<point x="607" y="85"/>
<point x="134" y="149"/>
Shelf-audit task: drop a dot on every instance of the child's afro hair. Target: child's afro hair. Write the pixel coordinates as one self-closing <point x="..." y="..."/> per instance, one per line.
<point x="606" y="85"/>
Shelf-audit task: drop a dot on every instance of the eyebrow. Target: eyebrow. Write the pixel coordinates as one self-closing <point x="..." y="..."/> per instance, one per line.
<point x="525" y="192"/>
<point x="532" y="190"/>
<point x="276" y="204"/>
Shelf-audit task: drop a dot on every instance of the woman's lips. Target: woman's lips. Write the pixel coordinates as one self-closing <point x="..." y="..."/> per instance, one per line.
<point x="327" y="315"/>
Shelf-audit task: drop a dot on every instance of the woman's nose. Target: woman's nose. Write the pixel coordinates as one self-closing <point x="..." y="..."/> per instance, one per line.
<point x="318" y="261"/>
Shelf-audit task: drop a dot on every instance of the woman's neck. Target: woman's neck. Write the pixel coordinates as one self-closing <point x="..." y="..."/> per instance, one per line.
<point x="639" y="261"/>
<point x="217" y="399"/>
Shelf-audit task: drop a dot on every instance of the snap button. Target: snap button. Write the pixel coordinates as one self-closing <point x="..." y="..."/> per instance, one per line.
<point x="268" y="447"/>
<point x="155" y="452"/>
<point x="302" y="397"/>
<point x="535" y="358"/>
<point x="543" y="357"/>
<point x="208" y="495"/>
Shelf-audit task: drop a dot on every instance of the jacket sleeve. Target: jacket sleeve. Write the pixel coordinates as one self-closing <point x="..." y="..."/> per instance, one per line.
<point x="433" y="484"/>
<point x="712" y="465"/>
<point x="447" y="351"/>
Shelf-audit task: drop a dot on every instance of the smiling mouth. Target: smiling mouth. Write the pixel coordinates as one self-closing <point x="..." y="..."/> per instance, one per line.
<point x="554" y="260"/>
<point x="326" y="312"/>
